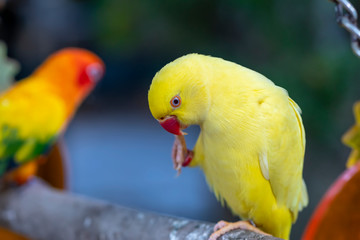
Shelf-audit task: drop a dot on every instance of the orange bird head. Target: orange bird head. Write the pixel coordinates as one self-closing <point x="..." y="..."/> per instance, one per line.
<point x="71" y="73"/>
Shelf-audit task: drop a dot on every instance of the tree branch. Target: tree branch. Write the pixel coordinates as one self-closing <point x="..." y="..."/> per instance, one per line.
<point x="40" y="212"/>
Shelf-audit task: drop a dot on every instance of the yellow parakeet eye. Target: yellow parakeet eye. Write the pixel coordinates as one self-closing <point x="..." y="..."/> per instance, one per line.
<point x="175" y="101"/>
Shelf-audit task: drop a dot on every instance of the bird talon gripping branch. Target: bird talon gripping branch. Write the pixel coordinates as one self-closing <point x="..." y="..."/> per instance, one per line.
<point x="223" y="227"/>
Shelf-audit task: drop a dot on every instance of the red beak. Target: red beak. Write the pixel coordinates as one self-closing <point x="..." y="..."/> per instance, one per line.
<point x="171" y="124"/>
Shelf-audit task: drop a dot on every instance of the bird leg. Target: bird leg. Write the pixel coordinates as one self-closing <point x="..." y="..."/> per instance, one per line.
<point x="181" y="156"/>
<point x="24" y="173"/>
<point x="223" y="227"/>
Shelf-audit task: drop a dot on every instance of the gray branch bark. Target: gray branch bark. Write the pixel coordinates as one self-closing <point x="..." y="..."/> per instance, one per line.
<point x="42" y="213"/>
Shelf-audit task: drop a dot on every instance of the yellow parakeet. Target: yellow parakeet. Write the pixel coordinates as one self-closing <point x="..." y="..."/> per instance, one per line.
<point x="252" y="140"/>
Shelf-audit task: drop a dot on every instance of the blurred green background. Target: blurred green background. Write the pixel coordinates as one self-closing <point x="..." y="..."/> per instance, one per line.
<point x="117" y="152"/>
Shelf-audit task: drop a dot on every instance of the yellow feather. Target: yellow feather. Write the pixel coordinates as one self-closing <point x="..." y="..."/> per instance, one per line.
<point x="252" y="141"/>
<point x="34" y="112"/>
<point x="46" y="113"/>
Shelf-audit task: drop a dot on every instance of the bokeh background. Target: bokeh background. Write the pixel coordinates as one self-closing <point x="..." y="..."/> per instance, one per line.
<point x="118" y="153"/>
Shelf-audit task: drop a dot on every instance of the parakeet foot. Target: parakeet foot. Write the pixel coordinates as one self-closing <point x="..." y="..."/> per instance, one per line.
<point x="223" y="227"/>
<point x="181" y="156"/>
<point x="24" y="173"/>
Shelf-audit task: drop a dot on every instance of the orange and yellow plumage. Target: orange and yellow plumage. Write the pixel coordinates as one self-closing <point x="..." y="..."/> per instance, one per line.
<point x="35" y="111"/>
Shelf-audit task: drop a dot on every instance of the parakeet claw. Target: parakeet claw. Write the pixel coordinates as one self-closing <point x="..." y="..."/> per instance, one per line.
<point x="181" y="156"/>
<point x="220" y="225"/>
<point x="177" y="153"/>
<point x="24" y="173"/>
<point x="223" y="227"/>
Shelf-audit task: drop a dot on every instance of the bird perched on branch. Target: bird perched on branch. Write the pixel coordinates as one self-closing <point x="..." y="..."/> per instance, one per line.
<point x="252" y="140"/>
<point x="35" y="111"/>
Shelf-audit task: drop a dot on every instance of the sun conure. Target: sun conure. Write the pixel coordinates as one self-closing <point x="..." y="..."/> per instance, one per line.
<point x="35" y="111"/>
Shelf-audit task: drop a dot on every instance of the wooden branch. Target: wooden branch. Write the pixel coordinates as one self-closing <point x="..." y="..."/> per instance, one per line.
<point x="40" y="212"/>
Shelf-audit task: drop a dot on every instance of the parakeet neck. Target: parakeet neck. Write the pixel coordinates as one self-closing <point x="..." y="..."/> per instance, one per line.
<point x="63" y="90"/>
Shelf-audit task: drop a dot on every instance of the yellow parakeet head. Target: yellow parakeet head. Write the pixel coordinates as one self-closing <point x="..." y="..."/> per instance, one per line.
<point x="178" y="96"/>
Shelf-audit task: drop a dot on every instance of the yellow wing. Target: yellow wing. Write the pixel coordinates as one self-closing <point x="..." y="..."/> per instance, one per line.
<point x="281" y="161"/>
<point x="30" y="120"/>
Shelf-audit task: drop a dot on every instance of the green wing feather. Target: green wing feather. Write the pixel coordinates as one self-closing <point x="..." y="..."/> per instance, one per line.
<point x="30" y="122"/>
